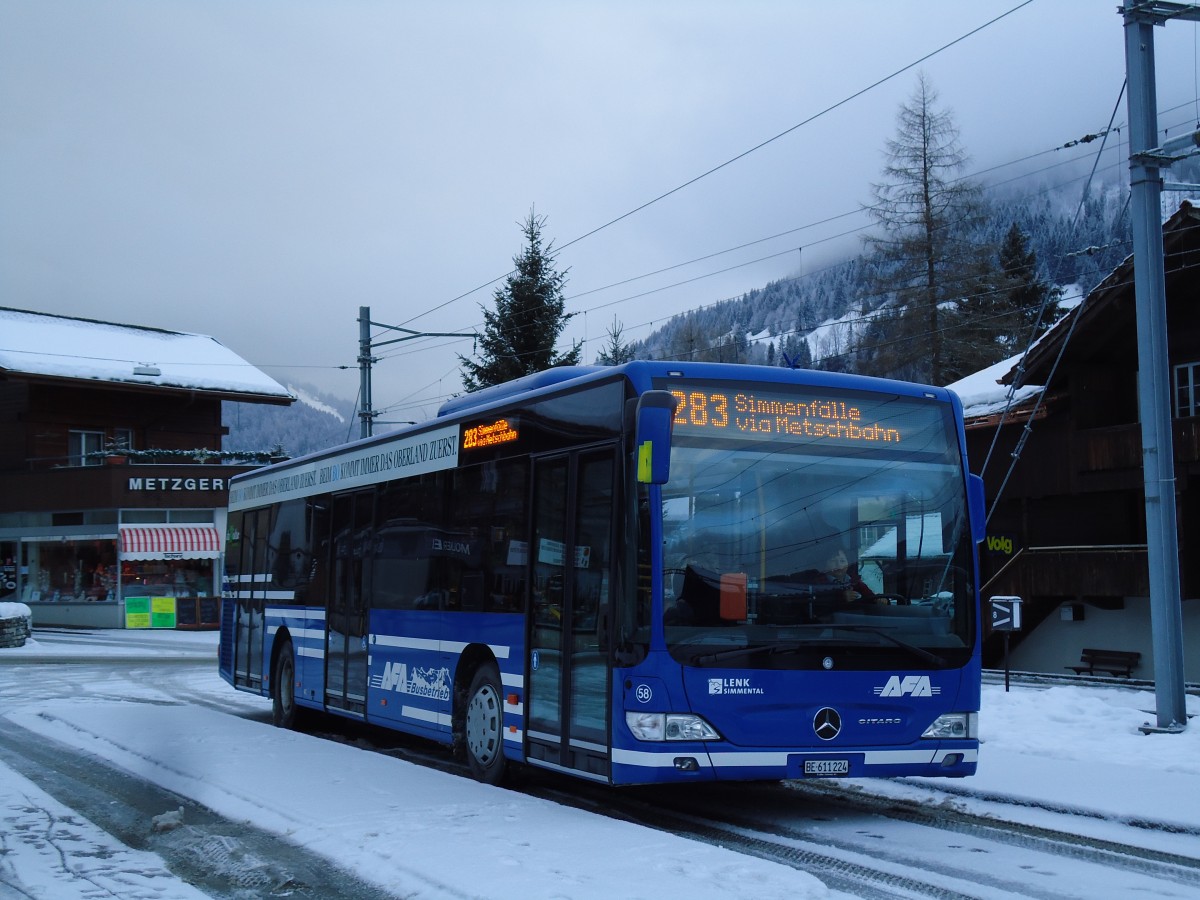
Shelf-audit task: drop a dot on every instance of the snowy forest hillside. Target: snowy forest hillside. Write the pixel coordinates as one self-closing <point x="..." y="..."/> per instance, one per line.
<point x="315" y="421"/>
<point x="819" y="318"/>
<point x="791" y="316"/>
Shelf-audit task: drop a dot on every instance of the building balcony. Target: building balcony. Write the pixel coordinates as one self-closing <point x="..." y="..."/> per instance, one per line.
<point x="1073" y="573"/>
<point x="1120" y="446"/>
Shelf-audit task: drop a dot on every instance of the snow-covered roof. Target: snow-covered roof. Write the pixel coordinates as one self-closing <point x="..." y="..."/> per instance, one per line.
<point x="985" y="392"/>
<point x="982" y="394"/>
<point x="42" y="345"/>
<point x="1116" y="290"/>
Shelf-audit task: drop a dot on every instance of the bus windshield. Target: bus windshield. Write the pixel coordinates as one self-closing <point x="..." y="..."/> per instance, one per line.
<point x="788" y="537"/>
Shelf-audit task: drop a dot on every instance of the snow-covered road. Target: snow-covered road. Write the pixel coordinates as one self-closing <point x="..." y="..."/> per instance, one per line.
<point x="1050" y="754"/>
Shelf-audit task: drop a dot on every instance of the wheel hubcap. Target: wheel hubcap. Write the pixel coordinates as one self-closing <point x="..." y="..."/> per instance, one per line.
<point x="483" y="724"/>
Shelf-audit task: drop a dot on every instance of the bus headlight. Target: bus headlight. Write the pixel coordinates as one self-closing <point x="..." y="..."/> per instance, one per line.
<point x="669" y="727"/>
<point x="962" y="726"/>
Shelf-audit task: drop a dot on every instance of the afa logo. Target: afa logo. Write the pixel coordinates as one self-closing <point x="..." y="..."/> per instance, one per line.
<point x="394" y="674"/>
<point x="419" y="681"/>
<point x="908" y="686"/>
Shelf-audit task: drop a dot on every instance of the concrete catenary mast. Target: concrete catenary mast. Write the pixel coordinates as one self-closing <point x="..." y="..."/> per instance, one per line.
<point x="1146" y="159"/>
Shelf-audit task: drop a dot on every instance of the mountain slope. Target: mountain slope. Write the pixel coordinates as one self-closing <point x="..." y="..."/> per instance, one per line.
<point x="314" y="422"/>
<point x="815" y="317"/>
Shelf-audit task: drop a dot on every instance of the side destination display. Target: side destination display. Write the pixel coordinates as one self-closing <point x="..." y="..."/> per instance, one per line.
<point x="408" y="454"/>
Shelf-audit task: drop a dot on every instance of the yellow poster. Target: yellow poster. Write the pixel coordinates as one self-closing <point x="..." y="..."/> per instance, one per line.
<point x="137" y="612"/>
<point x="162" y="612"/>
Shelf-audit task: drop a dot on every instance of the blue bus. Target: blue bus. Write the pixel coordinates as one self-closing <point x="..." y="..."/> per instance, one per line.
<point x="657" y="572"/>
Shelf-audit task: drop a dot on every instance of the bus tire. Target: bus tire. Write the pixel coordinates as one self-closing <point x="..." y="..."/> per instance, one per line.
<point x="284" y="712"/>
<point x="484" y="725"/>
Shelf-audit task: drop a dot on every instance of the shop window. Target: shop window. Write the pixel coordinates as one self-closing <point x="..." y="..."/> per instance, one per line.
<point x="70" y="570"/>
<point x="144" y="516"/>
<point x="179" y="578"/>
<point x="8" y="570"/>
<point x="190" y="516"/>
<point x="25" y="520"/>
<point x="1187" y="380"/>
<point x="81" y="445"/>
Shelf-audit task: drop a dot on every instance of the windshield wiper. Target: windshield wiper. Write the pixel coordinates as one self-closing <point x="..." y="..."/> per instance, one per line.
<point x="927" y="655"/>
<point x="796" y="646"/>
<point x="757" y="649"/>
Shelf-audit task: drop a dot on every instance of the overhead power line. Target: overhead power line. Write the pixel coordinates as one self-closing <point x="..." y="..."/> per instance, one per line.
<point x="800" y="124"/>
<point x="754" y="149"/>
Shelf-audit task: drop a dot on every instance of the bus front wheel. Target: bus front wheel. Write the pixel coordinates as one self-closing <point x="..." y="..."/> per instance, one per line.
<point x="283" y="688"/>
<point x="484" y="726"/>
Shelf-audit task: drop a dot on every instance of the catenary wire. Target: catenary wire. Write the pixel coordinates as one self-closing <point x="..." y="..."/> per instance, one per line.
<point x="748" y="152"/>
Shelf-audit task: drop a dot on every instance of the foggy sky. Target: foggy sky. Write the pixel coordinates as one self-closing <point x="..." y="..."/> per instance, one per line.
<point x="258" y="171"/>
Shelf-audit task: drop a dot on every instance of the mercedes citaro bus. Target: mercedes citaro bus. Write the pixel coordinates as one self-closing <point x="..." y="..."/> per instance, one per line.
<point x="622" y="573"/>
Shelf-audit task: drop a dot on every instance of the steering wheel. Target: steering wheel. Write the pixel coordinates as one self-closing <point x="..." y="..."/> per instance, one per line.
<point x="894" y="599"/>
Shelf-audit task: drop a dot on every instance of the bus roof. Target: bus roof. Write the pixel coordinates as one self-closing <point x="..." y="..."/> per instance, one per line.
<point x="641" y="374"/>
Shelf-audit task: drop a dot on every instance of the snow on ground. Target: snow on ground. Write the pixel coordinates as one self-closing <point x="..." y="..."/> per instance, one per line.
<point x="36" y="828"/>
<point x="426" y="834"/>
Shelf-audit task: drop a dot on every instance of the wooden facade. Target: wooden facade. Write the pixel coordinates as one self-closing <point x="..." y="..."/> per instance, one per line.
<point x="87" y="457"/>
<point x="1070" y="526"/>
<point x="38" y="417"/>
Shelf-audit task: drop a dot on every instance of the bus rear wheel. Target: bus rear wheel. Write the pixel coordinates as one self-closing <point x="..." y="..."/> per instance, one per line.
<point x="484" y="726"/>
<point x="284" y="713"/>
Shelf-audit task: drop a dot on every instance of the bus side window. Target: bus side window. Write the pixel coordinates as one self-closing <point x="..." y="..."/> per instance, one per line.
<point x="486" y="529"/>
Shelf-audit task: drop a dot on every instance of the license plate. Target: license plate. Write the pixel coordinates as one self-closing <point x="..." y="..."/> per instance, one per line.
<point x="827" y="767"/>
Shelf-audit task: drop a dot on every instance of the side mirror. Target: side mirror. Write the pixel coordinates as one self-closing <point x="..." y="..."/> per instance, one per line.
<point x="652" y="429"/>
<point x="977" y="507"/>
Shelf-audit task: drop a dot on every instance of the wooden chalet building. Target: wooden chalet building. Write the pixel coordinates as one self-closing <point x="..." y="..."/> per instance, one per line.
<point x="1069" y="533"/>
<point x="112" y="483"/>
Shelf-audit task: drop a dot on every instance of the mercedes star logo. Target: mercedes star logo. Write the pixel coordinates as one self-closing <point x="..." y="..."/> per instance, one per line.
<point x="827" y="724"/>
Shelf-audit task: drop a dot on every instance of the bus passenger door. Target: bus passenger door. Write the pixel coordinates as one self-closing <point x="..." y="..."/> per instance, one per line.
<point x="568" y="665"/>
<point x="250" y="602"/>
<point x="346" y="616"/>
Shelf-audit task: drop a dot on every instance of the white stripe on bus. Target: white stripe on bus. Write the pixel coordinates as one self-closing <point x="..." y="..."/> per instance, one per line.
<point x="296" y="612"/>
<point x="433" y="645"/>
<point x="256" y="594"/>
<point x="578" y="773"/>
<point x="425" y="715"/>
<point x="663" y="760"/>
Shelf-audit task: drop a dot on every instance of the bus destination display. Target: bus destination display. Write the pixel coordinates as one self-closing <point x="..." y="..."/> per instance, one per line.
<point x="804" y="415"/>
<point x="500" y="431"/>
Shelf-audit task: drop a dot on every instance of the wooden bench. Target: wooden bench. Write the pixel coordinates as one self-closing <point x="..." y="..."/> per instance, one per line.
<point x="1114" y="662"/>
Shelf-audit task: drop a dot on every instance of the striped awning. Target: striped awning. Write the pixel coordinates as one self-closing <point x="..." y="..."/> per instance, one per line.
<point x="170" y="542"/>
